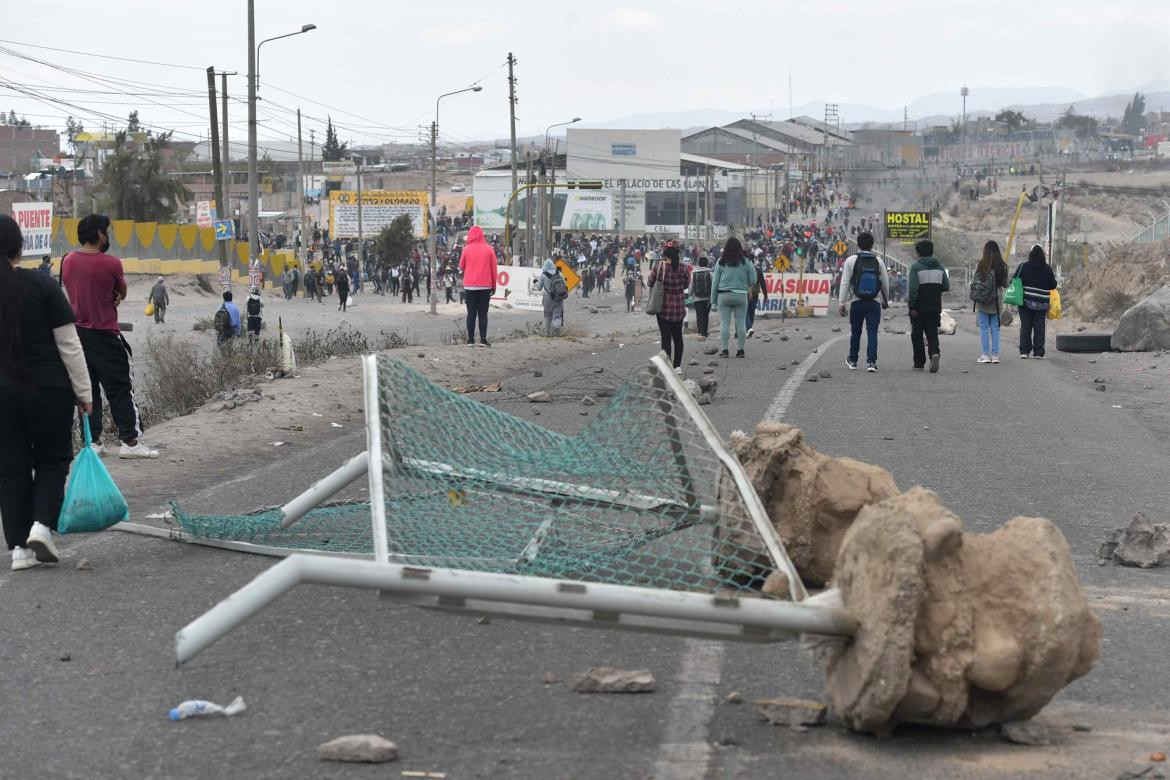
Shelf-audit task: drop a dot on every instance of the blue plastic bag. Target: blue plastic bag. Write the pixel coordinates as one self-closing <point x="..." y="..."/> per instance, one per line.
<point x="92" y="500"/>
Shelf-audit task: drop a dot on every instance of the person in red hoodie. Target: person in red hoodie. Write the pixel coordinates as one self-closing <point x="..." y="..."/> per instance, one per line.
<point x="478" y="264"/>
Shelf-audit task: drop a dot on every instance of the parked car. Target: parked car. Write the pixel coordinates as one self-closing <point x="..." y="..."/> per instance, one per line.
<point x="457" y="188"/>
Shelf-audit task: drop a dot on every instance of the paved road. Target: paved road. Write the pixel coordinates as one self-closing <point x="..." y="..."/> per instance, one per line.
<point x="467" y="699"/>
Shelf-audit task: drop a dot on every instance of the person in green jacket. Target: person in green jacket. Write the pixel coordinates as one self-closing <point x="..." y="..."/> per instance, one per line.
<point x="928" y="282"/>
<point x="730" y="283"/>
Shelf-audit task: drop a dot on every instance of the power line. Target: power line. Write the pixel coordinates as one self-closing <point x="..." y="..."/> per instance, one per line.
<point x="102" y="56"/>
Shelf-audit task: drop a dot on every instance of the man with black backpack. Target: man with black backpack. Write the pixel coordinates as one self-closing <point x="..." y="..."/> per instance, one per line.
<point x="863" y="279"/>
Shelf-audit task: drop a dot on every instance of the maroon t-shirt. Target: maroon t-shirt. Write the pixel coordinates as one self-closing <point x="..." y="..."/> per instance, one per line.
<point x="95" y="283"/>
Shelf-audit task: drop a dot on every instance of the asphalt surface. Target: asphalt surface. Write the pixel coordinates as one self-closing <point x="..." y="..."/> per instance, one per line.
<point x="467" y="699"/>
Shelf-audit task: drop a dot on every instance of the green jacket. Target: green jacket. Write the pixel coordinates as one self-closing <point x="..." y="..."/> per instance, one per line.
<point x="732" y="278"/>
<point x="928" y="282"/>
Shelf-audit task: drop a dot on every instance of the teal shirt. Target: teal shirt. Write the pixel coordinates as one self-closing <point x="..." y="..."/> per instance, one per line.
<point x="732" y="278"/>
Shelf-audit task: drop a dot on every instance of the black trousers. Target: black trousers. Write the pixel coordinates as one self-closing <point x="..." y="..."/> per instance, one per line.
<point x="477" y="308"/>
<point x="36" y="446"/>
<point x="110" y="369"/>
<point x="924" y="326"/>
<point x="702" y="316"/>
<point x="1032" y="325"/>
<point x="671" y="332"/>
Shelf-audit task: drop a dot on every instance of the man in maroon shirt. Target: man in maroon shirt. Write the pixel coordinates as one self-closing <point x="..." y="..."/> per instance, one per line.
<point x="96" y="285"/>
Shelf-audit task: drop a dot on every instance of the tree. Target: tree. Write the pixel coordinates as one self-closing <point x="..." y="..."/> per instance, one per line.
<point x="135" y="185"/>
<point x="134" y="126"/>
<point x="395" y="242"/>
<point x="73" y="128"/>
<point x="1013" y="119"/>
<point x="1084" y="126"/>
<point x="1133" y="121"/>
<point x="11" y="120"/>
<point x="332" y="150"/>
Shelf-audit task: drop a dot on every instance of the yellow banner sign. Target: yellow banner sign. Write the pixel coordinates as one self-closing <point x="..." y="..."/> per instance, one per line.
<point x="907" y="226"/>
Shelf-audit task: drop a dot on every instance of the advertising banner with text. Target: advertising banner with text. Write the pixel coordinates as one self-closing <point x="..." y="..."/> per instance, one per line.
<point x="379" y="209"/>
<point x="36" y="226"/>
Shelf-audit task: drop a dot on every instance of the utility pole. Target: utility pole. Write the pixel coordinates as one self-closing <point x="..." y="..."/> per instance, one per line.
<point x="216" y="172"/>
<point x="361" y="237"/>
<point x="253" y="174"/>
<point x="301" y="194"/>
<point x="512" y="117"/>
<point x="226" y="160"/>
<point x="528" y="209"/>
<point x="622" y="222"/>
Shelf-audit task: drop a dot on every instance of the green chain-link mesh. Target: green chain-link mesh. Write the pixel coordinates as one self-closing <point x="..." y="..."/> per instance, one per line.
<point x="636" y="498"/>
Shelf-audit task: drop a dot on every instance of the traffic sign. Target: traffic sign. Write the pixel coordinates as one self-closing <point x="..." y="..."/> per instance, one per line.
<point x="841" y="248"/>
<point x="225" y="229"/>
<point x="782" y="264"/>
<point x="571" y="277"/>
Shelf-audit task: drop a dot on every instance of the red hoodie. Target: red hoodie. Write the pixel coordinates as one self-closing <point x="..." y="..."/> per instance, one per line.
<point x="478" y="262"/>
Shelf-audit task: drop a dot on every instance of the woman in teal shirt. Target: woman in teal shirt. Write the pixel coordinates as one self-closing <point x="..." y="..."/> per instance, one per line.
<point x="733" y="277"/>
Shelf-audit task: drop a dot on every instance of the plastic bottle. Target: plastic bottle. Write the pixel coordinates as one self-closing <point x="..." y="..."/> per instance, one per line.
<point x="195" y="708"/>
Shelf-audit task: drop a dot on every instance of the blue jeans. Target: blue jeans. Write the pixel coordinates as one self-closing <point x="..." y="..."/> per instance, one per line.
<point x="751" y="312"/>
<point x="869" y="313"/>
<point x="988" y="332"/>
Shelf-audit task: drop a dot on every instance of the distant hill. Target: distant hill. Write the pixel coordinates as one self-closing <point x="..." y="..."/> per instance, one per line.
<point x="1041" y="103"/>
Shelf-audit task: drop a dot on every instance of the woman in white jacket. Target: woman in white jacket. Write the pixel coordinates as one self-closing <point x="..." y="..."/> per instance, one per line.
<point x="43" y="376"/>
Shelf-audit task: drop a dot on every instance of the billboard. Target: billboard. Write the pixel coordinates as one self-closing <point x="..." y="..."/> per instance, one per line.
<point x="36" y="226"/>
<point x="571" y="209"/>
<point x="907" y="226"/>
<point x="379" y="209"/>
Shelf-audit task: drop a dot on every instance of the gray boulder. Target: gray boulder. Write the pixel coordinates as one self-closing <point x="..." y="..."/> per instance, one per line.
<point x="1146" y="325"/>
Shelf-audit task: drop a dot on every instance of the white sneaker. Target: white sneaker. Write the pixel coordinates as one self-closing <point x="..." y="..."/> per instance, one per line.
<point x="40" y="544"/>
<point x="983" y="359"/>
<point x="678" y="370"/>
<point x="139" y="451"/>
<point x="23" y="559"/>
<point x="995" y="358"/>
<point x="98" y="449"/>
<point x="1024" y="356"/>
<point x="751" y="332"/>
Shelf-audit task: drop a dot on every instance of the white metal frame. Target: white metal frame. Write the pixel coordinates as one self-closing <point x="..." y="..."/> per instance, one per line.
<point x="679" y="613"/>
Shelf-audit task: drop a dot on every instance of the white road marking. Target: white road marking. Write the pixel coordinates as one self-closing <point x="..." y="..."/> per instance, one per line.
<point x="685" y="752"/>
<point x="788" y="392"/>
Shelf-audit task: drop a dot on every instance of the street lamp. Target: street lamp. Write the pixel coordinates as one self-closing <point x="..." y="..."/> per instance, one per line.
<point x="431" y="242"/>
<point x="546" y="214"/>
<point x="253" y="76"/>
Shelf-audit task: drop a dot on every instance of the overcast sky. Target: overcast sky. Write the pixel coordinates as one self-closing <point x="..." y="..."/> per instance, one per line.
<point x="384" y="62"/>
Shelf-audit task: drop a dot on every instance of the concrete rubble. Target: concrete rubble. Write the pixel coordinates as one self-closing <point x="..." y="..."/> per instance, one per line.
<point x="955" y="629"/>
<point x="1142" y="543"/>
<point x="603" y="679"/>
<point x="790" y="712"/>
<point x="811" y="498"/>
<point x="358" y="748"/>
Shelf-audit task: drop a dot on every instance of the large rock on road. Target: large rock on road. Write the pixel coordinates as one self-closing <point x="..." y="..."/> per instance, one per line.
<point x="1145" y="327"/>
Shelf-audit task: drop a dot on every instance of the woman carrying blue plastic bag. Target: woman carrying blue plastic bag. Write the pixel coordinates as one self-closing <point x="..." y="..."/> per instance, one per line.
<point x="42" y="377"/>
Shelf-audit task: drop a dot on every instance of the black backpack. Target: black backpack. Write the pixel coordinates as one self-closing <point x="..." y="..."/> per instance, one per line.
<point x="253" y="307"/>
<point x="867" y="277"/>
<point x="701" y="283"/>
